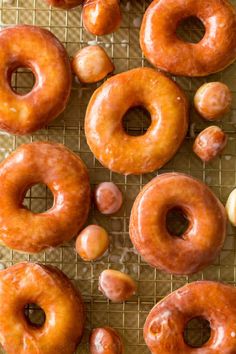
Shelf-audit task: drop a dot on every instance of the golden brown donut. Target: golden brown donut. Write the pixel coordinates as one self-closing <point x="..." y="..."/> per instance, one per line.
<point x="101" y="17"/>
<point x="116" y="286"/>
<point x="199" y="245"/>
<point x="91" y="64"/>
<point x="92" y="242"/>
<point x="39" y="50"/>
<point x="65" y="175"/>
<point x="64" y="4"/>
<point x="212" y="100"/>
<point x="112" y="146"/>
<point x="210" y="143"/>
<point x="108" y="198"/>
<point x="215" y="302"/>
<point x="105" y="341"/>
<point x="162" y="47"/>
<point x="46" y="286"/>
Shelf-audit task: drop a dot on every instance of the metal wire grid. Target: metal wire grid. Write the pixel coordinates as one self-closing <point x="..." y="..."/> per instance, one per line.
<point x="123" y="47"/>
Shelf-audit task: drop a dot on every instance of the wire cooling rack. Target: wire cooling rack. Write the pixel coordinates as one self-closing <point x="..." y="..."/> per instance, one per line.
<point x="123" y="46"/>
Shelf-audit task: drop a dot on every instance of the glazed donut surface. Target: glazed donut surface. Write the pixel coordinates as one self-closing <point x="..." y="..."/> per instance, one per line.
<point x="105" y="340"/>
<point x="65" y="175"/>
<point x="39" y="50"/>
<point x="101" y="17"/>
<point x="49" y="288"/>
<point x="165" y="50"/>
<point x="215" y="302"/>
<point x="210" y="143"/>
<point x="212" y="100"/>
<point x="91" y="64"/>
<point x="199" y="245"/>
<point x="112" y="146"/>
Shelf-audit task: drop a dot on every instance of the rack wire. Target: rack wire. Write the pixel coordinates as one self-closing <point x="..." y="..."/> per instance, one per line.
<point x="123" y="46"/>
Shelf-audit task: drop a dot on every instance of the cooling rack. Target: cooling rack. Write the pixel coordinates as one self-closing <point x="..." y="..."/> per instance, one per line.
<point x="123" y="46"/>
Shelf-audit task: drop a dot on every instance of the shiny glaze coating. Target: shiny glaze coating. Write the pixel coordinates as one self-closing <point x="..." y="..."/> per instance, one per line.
<point x="101" y="17"/>
<point x="65" y="175"/>
<point x="215" y="302"/>
<point x="165" y="50"/>
<point x="92" y="243"/>
<point x="20" y="47"/>
<point x="105" y="341"/>
<point x="199" y="244"/>
<point x="49" y="288"/>
<point x="126" y="154"/>
<point x="231" y="207"/>
<point x="212" y="100"/>
<point x="91" y="64"/>
<point x="64" y="4"/>
<point x="108" y="198"/>
<point x="210" y="143"/>
<point x="116" y="286"/>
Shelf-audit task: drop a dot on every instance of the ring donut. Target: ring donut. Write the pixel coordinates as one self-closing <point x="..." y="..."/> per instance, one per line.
<point x="199" y="244"/>
<point x="162" y="47"/>
<point x="64" y="4"/>
<point x="49" y="288"/>
<point x="65" y="175"/>
<point x="215" y="302"/>
<point x="126" y="154"/>
<point x="39" y="50"/>
<point x="101" y="17"/>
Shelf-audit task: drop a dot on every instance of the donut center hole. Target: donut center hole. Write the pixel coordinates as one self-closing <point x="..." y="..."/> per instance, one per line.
<point x="22" y="80"/>
<point x="191" y="30"/>
<point x="136" y="121"/>
<point x="35" y="315"/>
<point x="177" y="222"/>
<point x="38" y="199"/>
<point x="197" y="332"/>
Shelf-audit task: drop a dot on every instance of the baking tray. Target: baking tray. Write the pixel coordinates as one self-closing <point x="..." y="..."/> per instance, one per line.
<point x="123" y="46"/>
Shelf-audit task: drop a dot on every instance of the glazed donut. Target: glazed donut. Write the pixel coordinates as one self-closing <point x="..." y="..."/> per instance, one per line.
<point x="105" y="340"/>
<point x="101" y="17"/>
<point x="39" y="50"/>
<point x="108" y="198"/>
<point x="92" y="243"/>
<point x="91" y="64"/>
<point x="28" y="283"/>
<point x="210" y="143"/>
<point x="168" y="107"/>
<point x="163" y="48"/>
<point x="65" y="175"/>
<point x="64" y="4"/>
<point x="212" y="100"/>
<point x="199" y="245"/>
<point x="215" y="302"/>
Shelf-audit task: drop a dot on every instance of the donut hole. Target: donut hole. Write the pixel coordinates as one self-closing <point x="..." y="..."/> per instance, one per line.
<point x="191" y="29"/>
<point x="34" y="315"/>
<point x="136" y="121"/>
<point x="177" y="222"/>
<point x="38" y="199"/>
<point x="197" y="332"/>
<point x="22" y="80"/>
